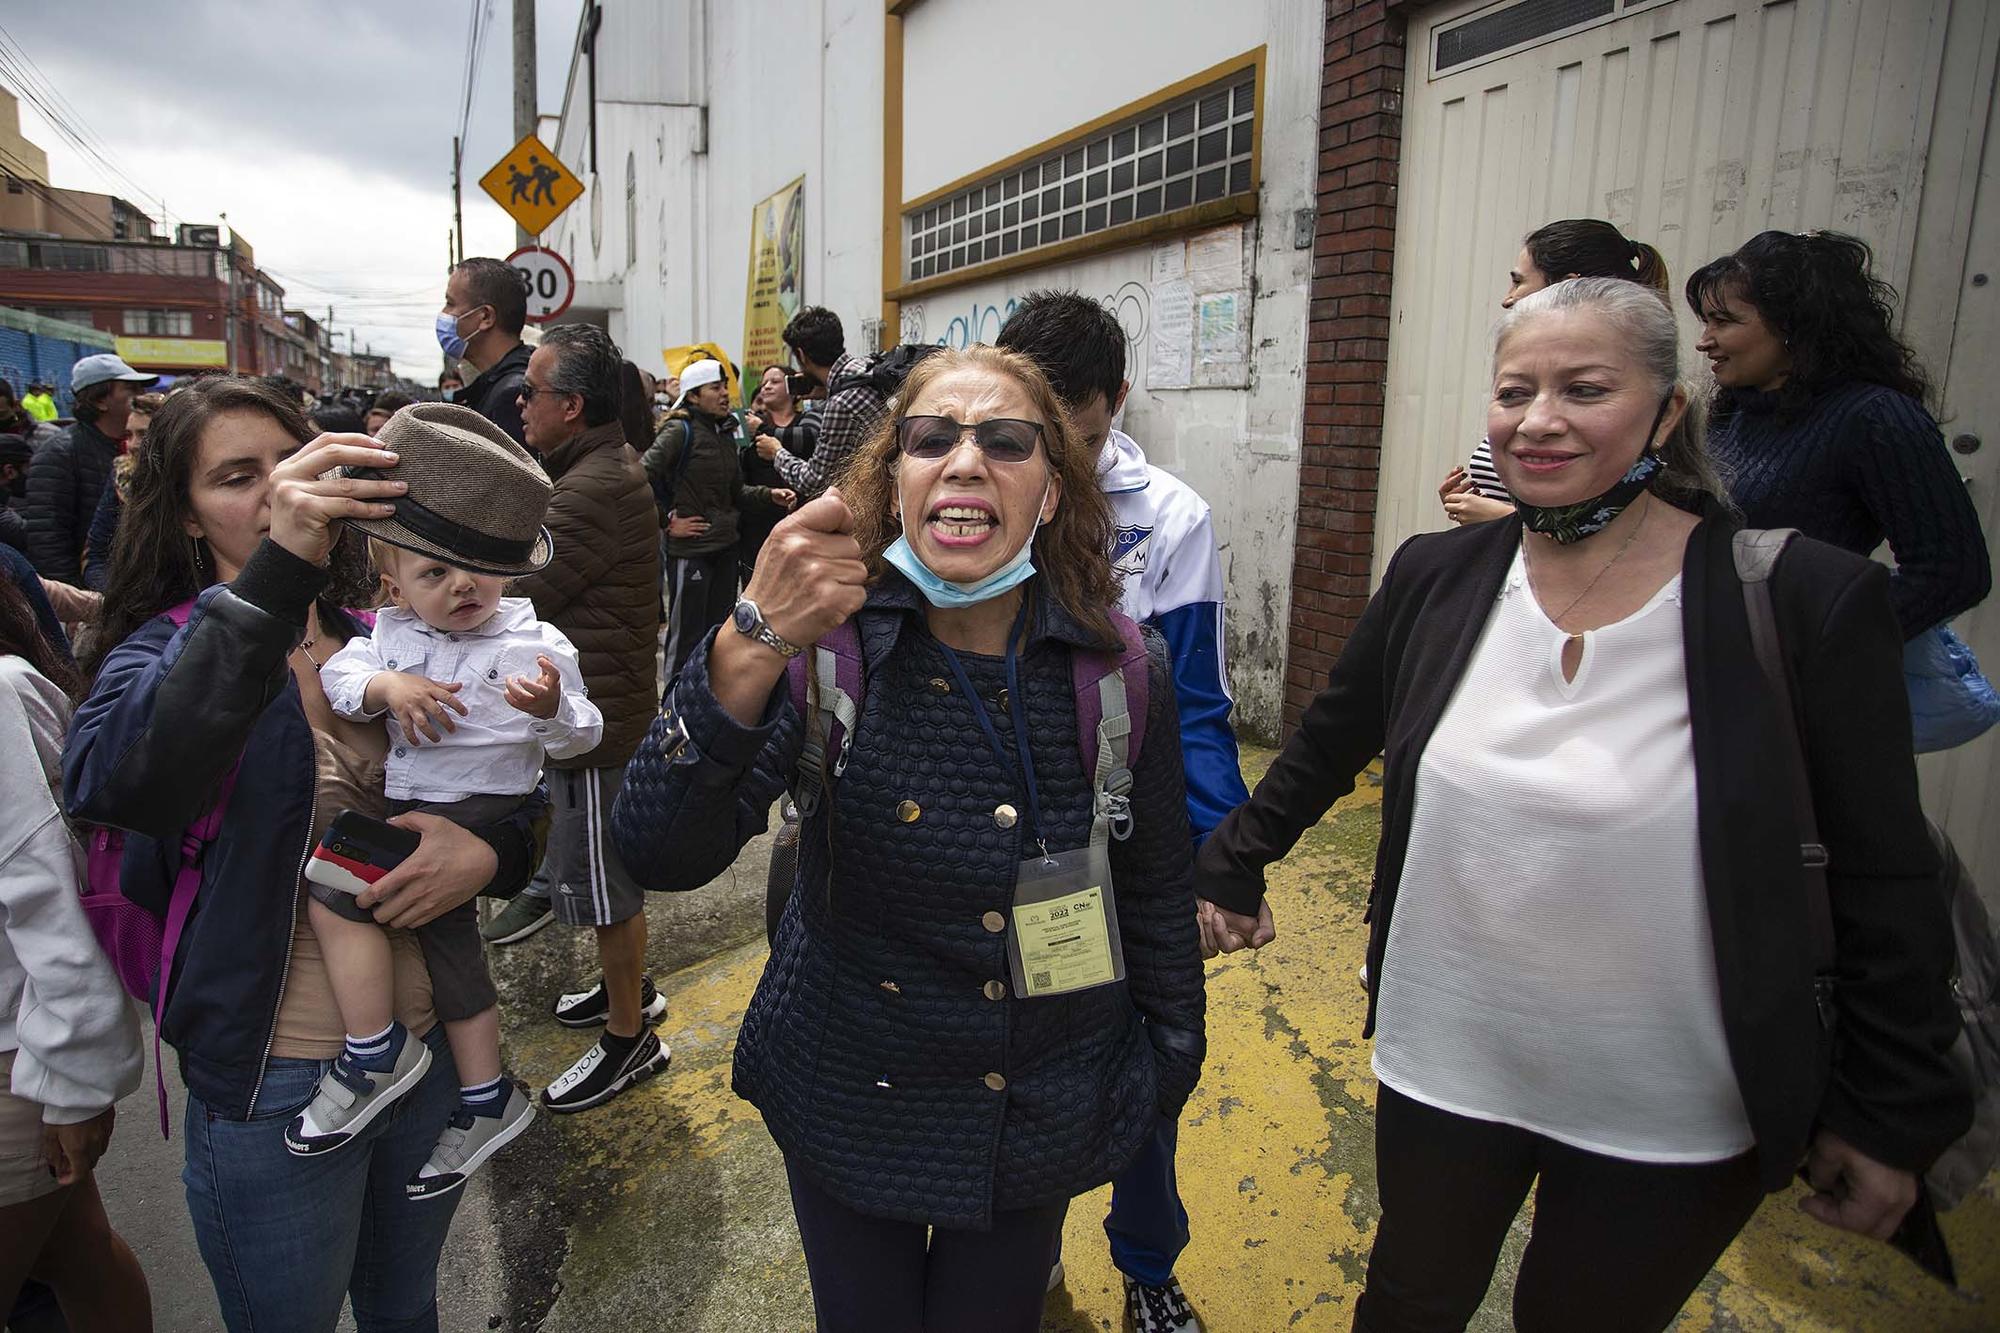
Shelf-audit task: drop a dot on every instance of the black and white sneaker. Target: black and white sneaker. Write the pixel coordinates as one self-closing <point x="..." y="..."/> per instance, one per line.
<point x="350" y="1097"/>
<point x="1159" y="1309"/>
<point x="599" y="1075"/>
<point x="589" y="1008"/>
<point x="468" y="1140"/>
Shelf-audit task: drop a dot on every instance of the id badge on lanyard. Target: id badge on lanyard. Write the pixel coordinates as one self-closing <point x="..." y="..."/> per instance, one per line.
<point x="1065" y="919"/>
<point x="1065" y="935"/>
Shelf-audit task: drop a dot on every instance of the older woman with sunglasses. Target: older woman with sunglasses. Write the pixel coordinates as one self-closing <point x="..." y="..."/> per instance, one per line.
<point x="983" y="990"/>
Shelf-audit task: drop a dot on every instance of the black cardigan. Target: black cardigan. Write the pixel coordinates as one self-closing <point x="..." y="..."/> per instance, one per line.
<point x="1886" y="1086"/>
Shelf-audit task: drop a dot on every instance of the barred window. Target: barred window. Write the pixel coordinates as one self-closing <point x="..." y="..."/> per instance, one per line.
<point x="160" y="323"/>
<point x="1193" y="150"/>
<point x="1501" y="29"/>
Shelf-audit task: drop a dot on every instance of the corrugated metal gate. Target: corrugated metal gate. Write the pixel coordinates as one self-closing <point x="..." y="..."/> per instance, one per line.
<point x="1695" y="124"/>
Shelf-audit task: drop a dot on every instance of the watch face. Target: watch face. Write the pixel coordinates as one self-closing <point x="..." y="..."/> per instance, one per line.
<point x="746" y="617"/>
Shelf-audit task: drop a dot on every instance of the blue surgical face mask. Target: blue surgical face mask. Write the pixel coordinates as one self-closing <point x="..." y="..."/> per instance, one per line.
<point x="940" y="591"/>
<point x="447" y="336"/>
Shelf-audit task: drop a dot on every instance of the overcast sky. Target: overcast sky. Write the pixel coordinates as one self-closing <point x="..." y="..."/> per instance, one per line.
<point x="322" y="129"/>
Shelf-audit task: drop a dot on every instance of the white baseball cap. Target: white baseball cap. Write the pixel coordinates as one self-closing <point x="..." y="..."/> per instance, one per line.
<point x="697" y="373"/>
<point x="102" y="367"/>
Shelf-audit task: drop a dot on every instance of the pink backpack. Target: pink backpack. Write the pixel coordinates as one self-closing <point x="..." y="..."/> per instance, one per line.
<point x="140" y="945"/>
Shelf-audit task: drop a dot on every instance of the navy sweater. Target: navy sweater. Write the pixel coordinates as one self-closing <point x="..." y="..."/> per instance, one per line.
<point x="1854" y="466"/>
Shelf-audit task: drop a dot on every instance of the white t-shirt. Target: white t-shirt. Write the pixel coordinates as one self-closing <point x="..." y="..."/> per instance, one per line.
<point x="1549" y="964"/>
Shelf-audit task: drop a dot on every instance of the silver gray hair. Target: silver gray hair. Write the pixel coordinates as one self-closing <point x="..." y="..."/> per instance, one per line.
<point x="1645" y="324"/>
<point x="587" y="364"/>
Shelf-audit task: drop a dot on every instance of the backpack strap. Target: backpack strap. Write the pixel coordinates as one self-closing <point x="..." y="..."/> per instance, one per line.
<point x="1113" y="697"/>
<point x="1756" y="552"/>
<point x="681" y="463"/>
<point x="825" y="686"/>
<point x="1112" y="693"/>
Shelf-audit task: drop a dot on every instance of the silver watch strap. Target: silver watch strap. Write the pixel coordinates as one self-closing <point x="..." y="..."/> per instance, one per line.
<point x="767" y="636"/>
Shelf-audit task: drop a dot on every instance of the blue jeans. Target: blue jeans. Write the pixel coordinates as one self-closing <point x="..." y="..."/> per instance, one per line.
<point x="1147" y="1225"/>
<point x="286" y="1238"/>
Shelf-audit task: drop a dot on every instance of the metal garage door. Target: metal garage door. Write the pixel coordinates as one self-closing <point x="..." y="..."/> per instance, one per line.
<point x="1695" y="124"/>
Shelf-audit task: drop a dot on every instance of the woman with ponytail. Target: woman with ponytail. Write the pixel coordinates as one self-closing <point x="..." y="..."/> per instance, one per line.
<point x="1569" y="248"/>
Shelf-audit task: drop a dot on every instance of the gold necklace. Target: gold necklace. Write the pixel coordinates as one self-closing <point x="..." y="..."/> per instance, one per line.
<point x="1597" y="578"/>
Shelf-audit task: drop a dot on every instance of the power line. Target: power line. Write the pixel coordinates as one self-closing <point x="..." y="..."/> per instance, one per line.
<point x="29" y="80"/>
<point x="49" y="194"/>
<point x="475" y="41"/>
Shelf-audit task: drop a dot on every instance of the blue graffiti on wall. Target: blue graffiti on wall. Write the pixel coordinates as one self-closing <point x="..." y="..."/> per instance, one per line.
<point x="979" y="324"/>
<point x="982" y="321"/>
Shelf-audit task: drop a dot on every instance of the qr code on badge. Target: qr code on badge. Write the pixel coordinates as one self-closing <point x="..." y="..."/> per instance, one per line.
<point x="1040" y="981"/>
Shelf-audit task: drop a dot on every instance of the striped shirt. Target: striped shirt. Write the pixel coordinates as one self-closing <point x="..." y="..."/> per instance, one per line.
<point x="1485" y="479"/>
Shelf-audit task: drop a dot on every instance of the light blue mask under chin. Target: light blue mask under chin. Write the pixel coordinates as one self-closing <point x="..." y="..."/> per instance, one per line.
<point x="940" y="591"/>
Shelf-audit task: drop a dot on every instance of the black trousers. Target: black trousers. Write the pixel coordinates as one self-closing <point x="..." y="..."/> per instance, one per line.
<point x="702" y="589"/>
<point x="1617" y="1245"/>
<point x="871" y="1275"/>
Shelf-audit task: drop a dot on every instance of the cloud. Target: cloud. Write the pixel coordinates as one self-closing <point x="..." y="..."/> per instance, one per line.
<point x="322" y="131"/>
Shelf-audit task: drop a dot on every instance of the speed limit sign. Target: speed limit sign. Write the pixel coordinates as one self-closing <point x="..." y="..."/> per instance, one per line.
<point x="546" y="275"/>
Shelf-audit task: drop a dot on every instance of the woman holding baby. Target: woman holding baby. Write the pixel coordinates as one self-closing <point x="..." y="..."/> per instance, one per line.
<point x="235" y="504"/>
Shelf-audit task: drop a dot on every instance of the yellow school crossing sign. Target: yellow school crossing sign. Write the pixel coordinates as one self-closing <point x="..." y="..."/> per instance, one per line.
<point x="532" y="184"/>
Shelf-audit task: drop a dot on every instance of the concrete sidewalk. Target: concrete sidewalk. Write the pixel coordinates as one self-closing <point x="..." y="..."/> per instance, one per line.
<point x="668" y="1209"/>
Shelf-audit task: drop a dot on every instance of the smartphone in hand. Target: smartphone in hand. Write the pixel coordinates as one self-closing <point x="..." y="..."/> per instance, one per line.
<point x="358" y="850"/>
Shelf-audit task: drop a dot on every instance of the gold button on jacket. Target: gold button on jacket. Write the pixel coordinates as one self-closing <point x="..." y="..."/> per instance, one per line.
<point x="994" y="922"/>
<point x="908" y="811"/>
<point x="996" y="1082"/>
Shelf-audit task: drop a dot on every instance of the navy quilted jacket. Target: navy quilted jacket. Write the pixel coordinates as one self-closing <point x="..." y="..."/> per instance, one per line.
<point x="882" y="1046"/>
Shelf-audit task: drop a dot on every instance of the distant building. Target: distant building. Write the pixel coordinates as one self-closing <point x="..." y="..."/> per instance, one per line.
<point x="173" y="307"/>
<point x="308" y="352"/>
<point x="194" y="302"/>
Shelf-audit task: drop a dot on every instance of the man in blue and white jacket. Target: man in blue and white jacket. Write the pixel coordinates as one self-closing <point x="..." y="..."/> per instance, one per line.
<point x="1165" y="551"/>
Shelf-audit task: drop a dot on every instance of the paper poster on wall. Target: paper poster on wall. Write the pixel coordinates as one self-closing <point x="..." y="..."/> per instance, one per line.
<point x="777" y="274"/>
<point x="1215" y="259"/>
<point x="1201" y="312"/>
<point x="1171" y="363"/>
<point x="1221" y="347"/>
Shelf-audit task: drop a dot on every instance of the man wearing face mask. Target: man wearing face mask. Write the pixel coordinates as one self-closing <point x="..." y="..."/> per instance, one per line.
<point x="485" y="308"/>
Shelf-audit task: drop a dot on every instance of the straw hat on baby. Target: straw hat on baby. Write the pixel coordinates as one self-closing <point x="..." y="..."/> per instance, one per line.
<point x="476" y="498"/>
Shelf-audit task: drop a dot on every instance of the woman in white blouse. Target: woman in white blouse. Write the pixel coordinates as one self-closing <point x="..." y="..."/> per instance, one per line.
<point x="69" y="1039"/>
<point x="1593" y="971"/>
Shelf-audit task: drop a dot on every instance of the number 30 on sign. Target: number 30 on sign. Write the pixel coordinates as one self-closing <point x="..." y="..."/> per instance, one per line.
<point x="546" y="276"/>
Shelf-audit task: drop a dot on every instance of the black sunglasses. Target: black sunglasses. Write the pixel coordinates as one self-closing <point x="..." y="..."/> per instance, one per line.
<point x="1002" y="439"/>
<point x="528" y="391"/>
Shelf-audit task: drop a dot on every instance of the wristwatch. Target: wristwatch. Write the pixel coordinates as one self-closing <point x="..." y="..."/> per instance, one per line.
<point x="750" y="623"/>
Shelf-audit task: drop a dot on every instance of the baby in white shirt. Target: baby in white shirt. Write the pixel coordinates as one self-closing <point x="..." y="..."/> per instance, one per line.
<point x="475" y="692"/>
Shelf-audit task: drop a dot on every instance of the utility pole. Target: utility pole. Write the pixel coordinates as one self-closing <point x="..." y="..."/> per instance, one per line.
<point x="455" y="250"/>
<point x="524" y="85"/>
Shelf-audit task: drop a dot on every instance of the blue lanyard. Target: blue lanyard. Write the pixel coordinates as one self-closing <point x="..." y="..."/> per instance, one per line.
<point x="1017" y="709"/>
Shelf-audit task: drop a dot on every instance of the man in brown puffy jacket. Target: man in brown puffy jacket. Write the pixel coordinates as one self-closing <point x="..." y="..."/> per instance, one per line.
<point x="602" y="591"/>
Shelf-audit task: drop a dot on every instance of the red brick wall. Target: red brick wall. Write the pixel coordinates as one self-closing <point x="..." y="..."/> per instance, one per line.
<point x="1347" y="336"/>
